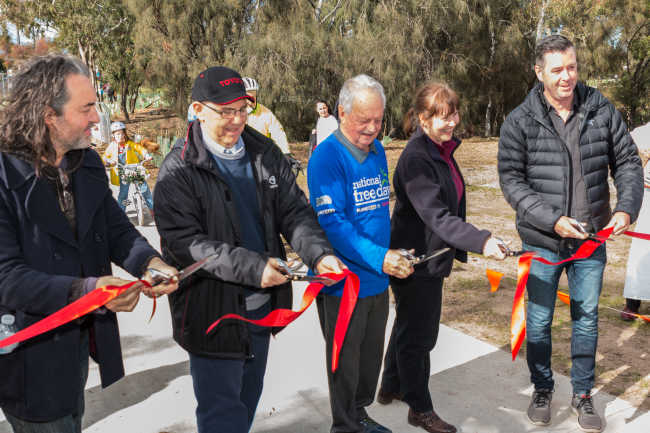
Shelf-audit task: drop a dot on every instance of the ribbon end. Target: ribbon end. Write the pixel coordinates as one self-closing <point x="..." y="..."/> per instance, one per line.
<point x="153" y="310"/>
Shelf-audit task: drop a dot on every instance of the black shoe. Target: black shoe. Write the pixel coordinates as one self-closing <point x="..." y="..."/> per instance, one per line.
<point x="387" y="397"/>
<point x="588" y="419"/>
<point x="430" y="421"/>
<point x="539" y="410"/>
<point x="371" y="426"/>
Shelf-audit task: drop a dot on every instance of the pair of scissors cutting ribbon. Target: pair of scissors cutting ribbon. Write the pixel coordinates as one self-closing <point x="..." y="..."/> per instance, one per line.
<point x="508" y="251"/>
<point x="291" y="271"/>
<point x="416" y="260"/>
<point x="160" y="277"/>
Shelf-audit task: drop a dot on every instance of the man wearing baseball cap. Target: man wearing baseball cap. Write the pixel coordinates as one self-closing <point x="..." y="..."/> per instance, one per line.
<point x="227" y="189"/>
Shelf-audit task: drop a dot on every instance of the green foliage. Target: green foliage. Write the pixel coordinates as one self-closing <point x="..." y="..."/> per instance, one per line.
<point x="183" y="37"/>
<point x="301" y="51"/>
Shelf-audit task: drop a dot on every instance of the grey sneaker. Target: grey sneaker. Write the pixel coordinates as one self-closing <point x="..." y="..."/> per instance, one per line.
<point x="539" y="410"/>
<point x="588" y="419"/>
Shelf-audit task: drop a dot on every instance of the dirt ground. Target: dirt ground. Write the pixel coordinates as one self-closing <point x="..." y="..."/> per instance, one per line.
<point x="622" y="369"/>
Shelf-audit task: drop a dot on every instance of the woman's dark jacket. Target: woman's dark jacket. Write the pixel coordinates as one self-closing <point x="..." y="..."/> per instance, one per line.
<point x="40" y="258"/>
<point x="535" y="165"/>
<point x="427" y="214"/>
<point x="196" y="216"/>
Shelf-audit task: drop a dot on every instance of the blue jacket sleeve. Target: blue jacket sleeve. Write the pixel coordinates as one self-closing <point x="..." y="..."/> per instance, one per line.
<point x="327" y="190"/>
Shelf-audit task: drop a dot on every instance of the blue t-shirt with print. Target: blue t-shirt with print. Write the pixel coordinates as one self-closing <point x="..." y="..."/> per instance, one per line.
<point x="350" y="198"/>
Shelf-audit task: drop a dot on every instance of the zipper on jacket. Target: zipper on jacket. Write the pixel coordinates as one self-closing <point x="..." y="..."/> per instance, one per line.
<point x="567" y="154"/>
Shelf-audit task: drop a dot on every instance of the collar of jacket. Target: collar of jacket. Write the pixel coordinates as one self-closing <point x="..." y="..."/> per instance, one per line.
<point x="16" y="171"/>
<point x="196" y="153"/>
<point x="589" y="99"/>
<point x="89" y="186"/>
<point x="423" y="139"/>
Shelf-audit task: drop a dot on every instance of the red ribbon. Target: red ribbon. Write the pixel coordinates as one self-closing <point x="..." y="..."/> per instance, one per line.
<point x="82" y="306"/>
<point x="283" y="317"/>
<point x="518" y="319"/>
<point x="564" y="297"/>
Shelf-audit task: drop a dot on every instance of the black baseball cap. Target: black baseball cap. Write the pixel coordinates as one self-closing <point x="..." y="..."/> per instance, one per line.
<point x="220" y="85"/>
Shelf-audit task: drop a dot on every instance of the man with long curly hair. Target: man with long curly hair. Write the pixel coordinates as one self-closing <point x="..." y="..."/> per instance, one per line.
<point x="60" y="229"/>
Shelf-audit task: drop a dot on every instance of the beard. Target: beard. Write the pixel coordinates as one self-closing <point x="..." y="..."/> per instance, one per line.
<point x="78" y="143"/>
<point x="81" y="141"/>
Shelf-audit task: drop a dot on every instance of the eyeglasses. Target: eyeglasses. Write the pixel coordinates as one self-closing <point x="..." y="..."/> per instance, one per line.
<point x="229" y="113"/>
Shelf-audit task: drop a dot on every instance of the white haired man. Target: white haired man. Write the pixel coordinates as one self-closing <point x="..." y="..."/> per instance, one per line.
<point x="349" y="189"/>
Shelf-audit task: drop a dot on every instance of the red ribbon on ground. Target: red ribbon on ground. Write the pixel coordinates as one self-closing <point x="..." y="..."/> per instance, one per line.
<point x="518" y="319"/>
<point x="82" y="306"/>
<point x="564" y="297"/>
<point x="283" y="317"/>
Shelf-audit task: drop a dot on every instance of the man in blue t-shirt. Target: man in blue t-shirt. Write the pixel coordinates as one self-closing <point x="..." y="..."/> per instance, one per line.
<point x="349" y="190"/>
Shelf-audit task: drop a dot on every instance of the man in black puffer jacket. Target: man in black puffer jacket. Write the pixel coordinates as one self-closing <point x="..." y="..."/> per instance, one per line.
<point x="227" y="189"/>
<point x="555" y="152"/>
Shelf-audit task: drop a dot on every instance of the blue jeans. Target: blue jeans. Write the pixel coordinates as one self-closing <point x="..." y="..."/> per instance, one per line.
<point x="70" y="423"/>
<point x="228" y="390"/>
<point x="124" y="194"/>
<point x="585" y="283"/>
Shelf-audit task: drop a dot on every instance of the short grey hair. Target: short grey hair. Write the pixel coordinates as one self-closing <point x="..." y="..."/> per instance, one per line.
<point x="354" y="85"/>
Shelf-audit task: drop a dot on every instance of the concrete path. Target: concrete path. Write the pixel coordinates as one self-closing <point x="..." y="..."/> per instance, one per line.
<point x="474" y="385"/>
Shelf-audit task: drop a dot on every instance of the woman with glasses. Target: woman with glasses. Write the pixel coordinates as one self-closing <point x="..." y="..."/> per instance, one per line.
<point x="429" y="215"/>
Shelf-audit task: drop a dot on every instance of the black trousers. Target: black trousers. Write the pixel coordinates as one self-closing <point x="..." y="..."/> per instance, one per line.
<point x="414" y="335"/>
<point x="352" y="387"/>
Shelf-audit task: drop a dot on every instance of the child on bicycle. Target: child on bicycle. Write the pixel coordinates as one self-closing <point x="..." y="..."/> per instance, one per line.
<point x="122" y="151"/>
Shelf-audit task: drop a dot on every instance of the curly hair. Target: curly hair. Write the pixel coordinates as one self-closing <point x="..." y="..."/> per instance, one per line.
<point x="40" y="83"/>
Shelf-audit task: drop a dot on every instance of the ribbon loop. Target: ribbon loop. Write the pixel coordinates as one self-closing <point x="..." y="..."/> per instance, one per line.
<point x="283" y="317"/>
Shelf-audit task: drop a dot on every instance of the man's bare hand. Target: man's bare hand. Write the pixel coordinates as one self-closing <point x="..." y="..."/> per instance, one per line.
<point x="396" y="265"/>
<point x="127" y="300"/>
<point x="570" y="228"/>
<point x="162" y="288"/>
<point x="272" y="275"/>
<point x="620" y="221"/>
<point x="330" y="264"/>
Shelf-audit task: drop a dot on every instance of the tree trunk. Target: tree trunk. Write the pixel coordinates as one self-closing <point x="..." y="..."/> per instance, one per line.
<point x="85" y="53"/>
<point x="123" y="98"/>
<point x="540" y="22"/>
<point x="317" y="10"/>
<point x="488" y="123"/>
<point x="134" y="96"/>
<point x="493" y="48"/>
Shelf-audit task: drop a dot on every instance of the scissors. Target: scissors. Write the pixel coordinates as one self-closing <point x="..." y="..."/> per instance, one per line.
<point x="590" y="236"/>
<point x="416" y="260"/>
<point x="160" y="277"/>
<point x="290" y="269"/>
<point x="509" y="252"/>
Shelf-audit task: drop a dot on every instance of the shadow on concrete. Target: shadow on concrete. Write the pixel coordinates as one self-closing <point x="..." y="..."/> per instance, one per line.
<point x="179" y="427"/>
<point x="131" y="390"/>
<point x="489" y="394"/>
<point x="136" y="345"/>
<point x="309" y="412"/>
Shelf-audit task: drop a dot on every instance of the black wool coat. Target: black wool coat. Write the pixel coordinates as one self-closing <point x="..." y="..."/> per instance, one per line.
<point x="427" y="214"/>
<point x="40" y="258"/>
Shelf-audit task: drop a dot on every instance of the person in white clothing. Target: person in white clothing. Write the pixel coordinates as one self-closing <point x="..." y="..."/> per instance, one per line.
<point x="326" y="123"/>
<point x="637" y="278"/>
